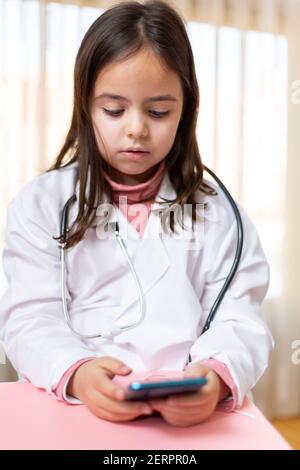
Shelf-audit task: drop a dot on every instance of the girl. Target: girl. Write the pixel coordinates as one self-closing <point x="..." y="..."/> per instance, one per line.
<point x="132" y="146"/>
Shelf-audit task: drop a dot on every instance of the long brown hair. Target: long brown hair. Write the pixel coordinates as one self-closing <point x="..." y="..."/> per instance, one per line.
<point x="119" y="33"/>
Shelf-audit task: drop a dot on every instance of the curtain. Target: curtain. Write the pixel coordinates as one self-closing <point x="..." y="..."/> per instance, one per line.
<point x="248" y="72"/>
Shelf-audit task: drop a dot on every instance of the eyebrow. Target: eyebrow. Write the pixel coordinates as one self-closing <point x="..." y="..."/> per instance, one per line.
<point x="151" y="99"/>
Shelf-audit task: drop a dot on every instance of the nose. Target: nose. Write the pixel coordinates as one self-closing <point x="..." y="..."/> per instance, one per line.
<point x="136" y="126"/>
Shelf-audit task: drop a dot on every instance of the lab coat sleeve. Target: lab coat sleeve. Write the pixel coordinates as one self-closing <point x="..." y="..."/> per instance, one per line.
<point x="60" y="391"/>
<point x="35" y="336"/>
<point x="238" y="337"/>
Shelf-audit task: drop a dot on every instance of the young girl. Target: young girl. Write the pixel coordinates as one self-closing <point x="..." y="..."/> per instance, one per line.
<point x="135" y="88"/>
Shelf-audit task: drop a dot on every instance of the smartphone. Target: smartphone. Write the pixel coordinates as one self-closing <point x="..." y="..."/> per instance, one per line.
<point x="159" y="389"/>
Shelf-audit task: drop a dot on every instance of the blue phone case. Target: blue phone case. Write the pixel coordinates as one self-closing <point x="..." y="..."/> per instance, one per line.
<point x="146" y="390"/>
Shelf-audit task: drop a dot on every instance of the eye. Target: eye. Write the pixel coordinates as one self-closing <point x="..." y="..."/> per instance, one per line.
<point x="159" y="114"/>
<point x="117" y="112"/>
<point x="113" y="112"/>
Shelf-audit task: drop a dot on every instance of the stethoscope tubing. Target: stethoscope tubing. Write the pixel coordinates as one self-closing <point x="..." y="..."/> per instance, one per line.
<point x="114" y="330"/>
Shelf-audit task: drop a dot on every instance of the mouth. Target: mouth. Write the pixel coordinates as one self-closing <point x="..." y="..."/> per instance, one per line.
<point x="134" y="155"/>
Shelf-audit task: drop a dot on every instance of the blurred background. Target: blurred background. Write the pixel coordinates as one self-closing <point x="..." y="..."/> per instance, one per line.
<point x="248" y="68"/>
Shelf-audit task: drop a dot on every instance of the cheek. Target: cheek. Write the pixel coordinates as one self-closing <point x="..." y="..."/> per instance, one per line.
<point x="106" y="132"/>
<point x="166" y="135"/>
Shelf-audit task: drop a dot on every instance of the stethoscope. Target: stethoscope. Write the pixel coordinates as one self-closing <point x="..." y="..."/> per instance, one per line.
<point x="114" y="330"/>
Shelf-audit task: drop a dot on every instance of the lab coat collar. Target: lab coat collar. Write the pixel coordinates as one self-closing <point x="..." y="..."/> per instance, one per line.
<point x="166" y="188"/>
<point x="166" y="191"/>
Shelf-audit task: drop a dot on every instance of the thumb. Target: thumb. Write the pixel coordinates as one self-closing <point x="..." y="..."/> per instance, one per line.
<point x="114" y="366"/>
<point x="196" y="370"/>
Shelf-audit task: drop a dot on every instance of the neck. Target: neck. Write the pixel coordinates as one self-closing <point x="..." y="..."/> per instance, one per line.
<point x="132" y="180"/>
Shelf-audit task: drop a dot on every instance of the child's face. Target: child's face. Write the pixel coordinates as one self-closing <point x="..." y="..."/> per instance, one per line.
<point x="141" y="77"/>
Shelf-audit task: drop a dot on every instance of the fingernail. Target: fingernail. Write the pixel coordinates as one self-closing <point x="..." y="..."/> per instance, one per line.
<point x="125" y="369"/>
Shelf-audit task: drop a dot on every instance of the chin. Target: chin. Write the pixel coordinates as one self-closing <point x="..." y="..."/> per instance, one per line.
<point x="133" y="170"/>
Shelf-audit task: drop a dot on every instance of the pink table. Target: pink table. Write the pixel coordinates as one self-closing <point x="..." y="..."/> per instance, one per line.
<point x="31" y="419"/>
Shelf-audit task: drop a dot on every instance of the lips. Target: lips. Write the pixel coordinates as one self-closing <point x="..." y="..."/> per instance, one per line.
<point x="134" y="155"/>
<point x="136" y="151"/>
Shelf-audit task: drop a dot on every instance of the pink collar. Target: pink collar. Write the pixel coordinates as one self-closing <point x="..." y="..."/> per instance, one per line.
<point x="139" y="192"/>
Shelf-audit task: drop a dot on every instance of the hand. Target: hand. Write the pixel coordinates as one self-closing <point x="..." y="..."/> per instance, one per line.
<point x="193" y="408"/>
<point x="92" y="384"/>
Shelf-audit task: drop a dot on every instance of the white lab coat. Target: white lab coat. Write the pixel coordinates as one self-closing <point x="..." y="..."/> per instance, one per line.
<point x="180" y="286"/>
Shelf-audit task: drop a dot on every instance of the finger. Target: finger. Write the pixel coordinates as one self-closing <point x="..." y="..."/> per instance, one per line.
<point x="188" y="401"/>
<point x="187" y="398"/>
<point x="107" y="387"/>
<point x="114" y="366"/>
<point x="200" y="397"/>
<point x="174" y="405"/>
<point x="181" y="415"/>
<point x="121" y="408"/>
<point x="103" y="414"/>
<point x="196" y="370"/>
<point x="184" y="420"/>
<point x="203" y="372"/>
<point x="108" y="416"/>
<point x="157" y="403"/>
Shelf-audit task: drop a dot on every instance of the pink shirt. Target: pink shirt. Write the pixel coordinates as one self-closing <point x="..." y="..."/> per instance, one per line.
<point x="145" y="193"/>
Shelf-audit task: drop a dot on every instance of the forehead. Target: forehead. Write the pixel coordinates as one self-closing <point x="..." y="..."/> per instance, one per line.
<point x="143" y="74"/>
